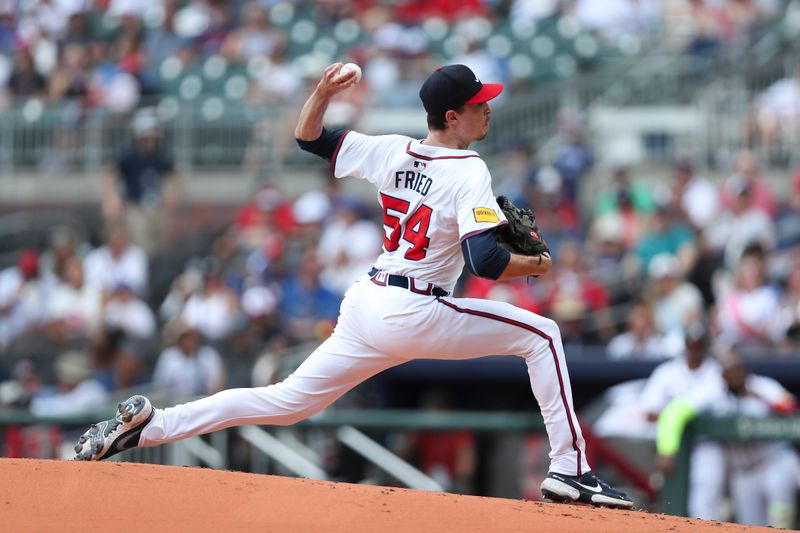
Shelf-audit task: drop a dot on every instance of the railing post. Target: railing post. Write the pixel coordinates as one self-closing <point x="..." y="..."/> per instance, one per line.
<point x="674" y="494"/>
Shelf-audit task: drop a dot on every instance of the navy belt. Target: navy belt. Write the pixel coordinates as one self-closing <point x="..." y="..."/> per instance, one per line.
<point x="383" y="279"/>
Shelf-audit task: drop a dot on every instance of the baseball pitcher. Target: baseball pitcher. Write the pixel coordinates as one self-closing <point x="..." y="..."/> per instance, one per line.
<point x="439" y="213"/>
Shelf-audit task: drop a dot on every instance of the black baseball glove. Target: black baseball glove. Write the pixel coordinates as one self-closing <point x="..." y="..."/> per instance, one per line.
<point x="521" y="234"/>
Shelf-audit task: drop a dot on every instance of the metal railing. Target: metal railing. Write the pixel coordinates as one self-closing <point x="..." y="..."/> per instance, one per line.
<point x="729" y="429"/>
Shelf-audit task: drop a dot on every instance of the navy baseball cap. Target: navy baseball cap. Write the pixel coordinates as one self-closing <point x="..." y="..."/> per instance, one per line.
<point x="452" y="86"/>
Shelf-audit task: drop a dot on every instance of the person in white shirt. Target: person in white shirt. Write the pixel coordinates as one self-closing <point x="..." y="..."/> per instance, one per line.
<point x="118" y="261"/>
<point x="128" y="313"/>
<point x="348" y="246"/>
<point x="23" y="298"/>
<point x="641" y="340"/>
<point x="676" y="303"/>
<point x="75" y="307"/>
<point x="742" y="225"/>
<point x="748" y="311"/>
<point x="695" y="369"/>
<point x="213" y="309"/>
<point x="78" y="391"/>
<point x="189" y="367"/>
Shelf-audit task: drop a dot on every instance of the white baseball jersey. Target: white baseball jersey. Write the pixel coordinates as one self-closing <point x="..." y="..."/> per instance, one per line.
<point x="425" y="214"/>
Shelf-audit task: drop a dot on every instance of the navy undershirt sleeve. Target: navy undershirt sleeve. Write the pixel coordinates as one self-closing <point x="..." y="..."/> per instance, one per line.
<point x="484" y="258"/>
<point x="325" y="145"/>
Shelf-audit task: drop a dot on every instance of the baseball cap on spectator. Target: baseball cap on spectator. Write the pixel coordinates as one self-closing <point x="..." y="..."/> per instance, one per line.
<point x="664" y="265"/>
<point x="453" y="86"/>
<point x="145" y="123"/>
<point x="29" y="263"/>
<point x="311" y="208"/>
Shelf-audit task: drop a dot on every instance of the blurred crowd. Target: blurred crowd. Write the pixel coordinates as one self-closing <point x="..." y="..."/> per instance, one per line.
<point x="113" y="54"/>
<point x="636" y="263"/>
<point x="658" y="255"/>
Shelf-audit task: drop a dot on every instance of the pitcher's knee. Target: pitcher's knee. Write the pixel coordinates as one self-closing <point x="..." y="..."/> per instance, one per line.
<point x="549" y="327"/>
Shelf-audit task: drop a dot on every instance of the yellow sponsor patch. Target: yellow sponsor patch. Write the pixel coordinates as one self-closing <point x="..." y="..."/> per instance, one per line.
<point x="484" y="214"/>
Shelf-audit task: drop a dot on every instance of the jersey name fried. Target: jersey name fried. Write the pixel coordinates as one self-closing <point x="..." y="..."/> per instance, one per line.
<point x="416" y="181"/>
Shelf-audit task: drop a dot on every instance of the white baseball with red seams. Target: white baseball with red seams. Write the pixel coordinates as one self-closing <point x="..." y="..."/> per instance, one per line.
<point x="432" y="199"/>
<point x="350" y="67"/>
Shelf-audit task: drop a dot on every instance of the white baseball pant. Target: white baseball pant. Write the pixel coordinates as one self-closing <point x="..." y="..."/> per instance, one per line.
<point x="383" y="326"/>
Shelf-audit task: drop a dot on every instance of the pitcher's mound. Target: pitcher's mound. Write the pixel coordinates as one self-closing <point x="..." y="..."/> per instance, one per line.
<point x="112" y="497"/>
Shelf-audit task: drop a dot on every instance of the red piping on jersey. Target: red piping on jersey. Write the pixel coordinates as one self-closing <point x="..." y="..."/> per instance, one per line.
<point x="552" y="351"/>
<point x="471" y="233"/>
<point x="336" y="153"/>
<point x="427" y="158"/>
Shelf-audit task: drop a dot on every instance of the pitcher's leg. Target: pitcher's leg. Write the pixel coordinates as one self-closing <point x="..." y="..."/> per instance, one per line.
<point x="333" y="369"/>
<point x="475" y="328"/>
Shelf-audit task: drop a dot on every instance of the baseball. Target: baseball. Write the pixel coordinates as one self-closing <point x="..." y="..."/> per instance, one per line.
<point x="348" y="67"/>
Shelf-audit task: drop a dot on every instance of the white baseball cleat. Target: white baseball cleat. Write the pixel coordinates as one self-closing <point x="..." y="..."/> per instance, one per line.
<point x="118" y="434"/>
<point x="583" y="489"/>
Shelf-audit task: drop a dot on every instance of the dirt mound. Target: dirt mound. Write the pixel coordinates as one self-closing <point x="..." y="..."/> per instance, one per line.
<point x="67" y="496"/>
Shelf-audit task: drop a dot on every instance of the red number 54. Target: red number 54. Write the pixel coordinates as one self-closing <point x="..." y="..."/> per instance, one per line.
<point x="414" y="229"/>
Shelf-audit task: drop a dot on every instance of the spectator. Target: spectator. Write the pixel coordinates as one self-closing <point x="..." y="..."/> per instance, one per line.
<point x="348" y="246"/>
<point x="255" y="37"/>
<point x="640" y="340"/>
<point x="213" y="309"/>
<point x="785" y="327"/>
<point x="63" y="248"/>
<point x="788" y="225"/>
<point x="630" y="202"/>
<point x="117" y="262"/>
<point x="776" y="112"/>
<point x="518" y="169"/>
<point x="574" y="159"/>
<point x="188" y="367"/>
<point x="141" y="186"/>
<point x="575" y="299"/>
<point x="747" y="310"/>
<point x="698" y="198"/>
<point x="25" y="82"/>
<point x="666" y="234"/>
<point x="694" y="370"/>
<point x="71" y="78"/>
<point x="747" y="174"/>
<point x="557" y="217"/>
<point x="77" y="392"/>
<point x="160" y="43"/>
<point x="116" y="359"/>
<point x="23" y="298"/>
<point x="309" y="309"/>
<point x="740" y="226"/>
<point x="74" y="307"/>
<point x="676" y="303"/>
<point x="126" y="312"/>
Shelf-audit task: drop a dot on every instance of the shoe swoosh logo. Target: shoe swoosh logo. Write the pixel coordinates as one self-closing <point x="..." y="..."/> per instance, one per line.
<point x="596" y="488"/>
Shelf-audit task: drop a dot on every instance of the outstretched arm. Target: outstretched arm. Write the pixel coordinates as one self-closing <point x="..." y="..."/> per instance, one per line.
<point x="309" y="125"/>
